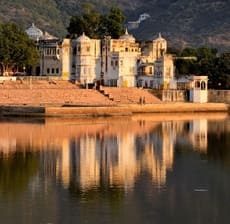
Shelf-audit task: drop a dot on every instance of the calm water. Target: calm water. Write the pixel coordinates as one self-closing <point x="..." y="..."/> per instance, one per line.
<point x="142" y="169"/>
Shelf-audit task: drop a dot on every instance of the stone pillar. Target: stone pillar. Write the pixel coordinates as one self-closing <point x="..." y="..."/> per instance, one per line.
<point x="66" y="59"/>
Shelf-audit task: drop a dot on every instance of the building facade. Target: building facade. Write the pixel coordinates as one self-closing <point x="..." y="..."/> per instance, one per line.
<point x="121" y="62"/>
<point x="49" y="48"/>
<point x="87" y="60"/>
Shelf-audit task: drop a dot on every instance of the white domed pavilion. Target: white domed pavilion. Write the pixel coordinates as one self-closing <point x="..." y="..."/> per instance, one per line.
<point x="34" y="33"/>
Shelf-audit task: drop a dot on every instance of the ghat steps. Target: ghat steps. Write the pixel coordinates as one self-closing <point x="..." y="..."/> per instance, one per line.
<point x="47" y="92"/>
<point x="129" y="95"/>
<point x="39" y="92"/>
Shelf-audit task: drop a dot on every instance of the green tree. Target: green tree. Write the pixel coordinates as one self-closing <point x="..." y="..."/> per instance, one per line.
<point x="16" y="49"/>
<point x="222" y="72"/>
<point x="188" y="52"/>
<point x="112" y="24"/>
<point x="217" y="68"/>
<point x="88" y="21"/>
<point x="16" y="172"/>
<point x="97" y="25"/>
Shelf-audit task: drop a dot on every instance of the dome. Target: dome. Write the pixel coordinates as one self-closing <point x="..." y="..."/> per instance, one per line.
<point x="83" y="38"/>
<point x="127" y="37"/>
<point x="34" y="33"/>
<point x="160" y="38"/>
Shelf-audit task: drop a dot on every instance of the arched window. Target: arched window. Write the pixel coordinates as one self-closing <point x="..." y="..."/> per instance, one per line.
<point x="203" y="85"/>
<point x="197" y="84"/>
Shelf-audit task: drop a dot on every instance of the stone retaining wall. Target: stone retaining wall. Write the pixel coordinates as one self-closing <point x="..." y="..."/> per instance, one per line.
<point x="214" y="96"/>
<point x="130" y="109"/>
<point x="174" y="96"/>
<point x="171" y="95"/>
<point x="219" y="96"/>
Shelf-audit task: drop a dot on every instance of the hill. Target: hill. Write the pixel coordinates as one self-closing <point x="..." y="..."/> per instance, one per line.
<point x="194" y="22"/>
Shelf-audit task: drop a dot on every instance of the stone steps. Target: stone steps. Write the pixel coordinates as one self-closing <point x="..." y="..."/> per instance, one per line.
<point x="38" y="84"/>
<point x="129" y="95"/>
<point x="53" y="96"/>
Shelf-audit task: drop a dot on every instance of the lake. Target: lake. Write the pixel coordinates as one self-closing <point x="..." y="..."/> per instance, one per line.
<point x="162" y="168"/>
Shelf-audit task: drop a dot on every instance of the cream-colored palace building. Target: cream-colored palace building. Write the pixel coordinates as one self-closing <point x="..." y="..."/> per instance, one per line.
<point x="119" y="62"/>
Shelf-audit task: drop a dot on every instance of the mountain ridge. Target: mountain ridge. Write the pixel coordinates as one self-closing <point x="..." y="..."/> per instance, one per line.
<point x="184" y="23"/>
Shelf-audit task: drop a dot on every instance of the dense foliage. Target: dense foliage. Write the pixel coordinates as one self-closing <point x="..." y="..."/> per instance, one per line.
<point x="209" y="62"/>
<point x="97" y="25"/>
<point x="16" y="49"/>
<point x="44" y="13"/>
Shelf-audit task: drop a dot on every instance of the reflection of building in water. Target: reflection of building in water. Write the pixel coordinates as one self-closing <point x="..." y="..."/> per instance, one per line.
<point x="198" y="136"/>
<point x="126" y="169"/>
<point x="168" y="139"/>
<point x="88" y="163"/>
<point x="7" y="146"/>
<point x="108" y="151"/>
<point x="158" y="153"/>
<point x="63" y="164"/>
<point x="109" y="154"/>
<point x="79" y="161"/>
<point x="116" y="159"/>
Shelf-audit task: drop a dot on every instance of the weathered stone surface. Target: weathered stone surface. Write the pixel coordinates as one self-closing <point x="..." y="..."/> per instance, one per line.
<point x="130" y="95"/>
<point x="66" y="99"/>
<point x="221" y="96"/>
<point x="44" y="93"/>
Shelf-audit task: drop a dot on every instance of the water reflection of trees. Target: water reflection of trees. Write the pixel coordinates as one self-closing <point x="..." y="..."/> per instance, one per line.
<point x="16" y="171"/>
<point x="219" y="132"/>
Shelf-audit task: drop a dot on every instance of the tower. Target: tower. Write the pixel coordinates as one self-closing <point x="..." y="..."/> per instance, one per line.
<point x="159" y="47"/>
<point x="88" y="62"/>
<point x="66" y="59"/>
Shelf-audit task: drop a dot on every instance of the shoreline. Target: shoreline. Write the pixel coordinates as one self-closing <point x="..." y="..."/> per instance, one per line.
<point x="110" y="111"/>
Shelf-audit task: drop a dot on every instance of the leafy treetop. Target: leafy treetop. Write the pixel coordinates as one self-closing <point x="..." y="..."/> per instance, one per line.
<point x="97" y="25"/>
<point x="16" y="49"/>
<point x="208" y="62"/>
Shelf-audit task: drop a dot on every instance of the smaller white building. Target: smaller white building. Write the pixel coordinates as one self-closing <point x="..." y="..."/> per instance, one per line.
<point x="49" y="50"/>
<point x="199" y="89"/>
<point x="196" y="87"/>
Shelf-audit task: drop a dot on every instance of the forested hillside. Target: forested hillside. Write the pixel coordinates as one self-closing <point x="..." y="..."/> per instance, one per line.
<point x="183" y="22"/>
